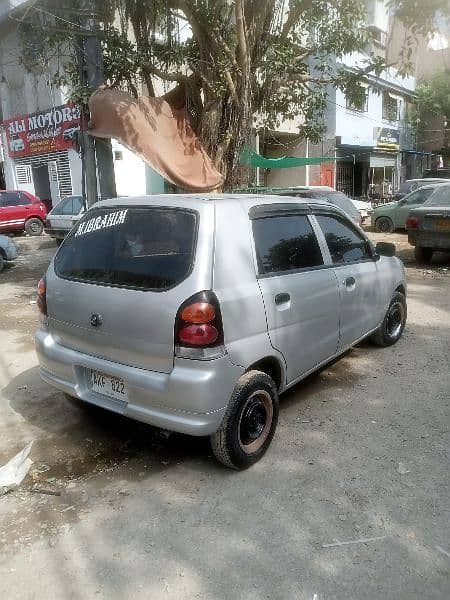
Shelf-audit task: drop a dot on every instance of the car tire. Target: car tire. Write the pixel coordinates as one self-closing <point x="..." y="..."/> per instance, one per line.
<point x="34" y="226"/>
<point x="249" y="423"/>
<point x="384" y="225"/>
<point x="423" y="255"/>
<point x="59" y="241"/>
<point x="2" y="263"/>
<point x="391" y="329"/>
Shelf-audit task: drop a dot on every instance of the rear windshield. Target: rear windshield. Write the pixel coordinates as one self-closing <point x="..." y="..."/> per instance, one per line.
<point x="138" y="248"/>
<point x="68" y="206"/>
<point x="440" y="197"/>
<point x="342" y="201"/>
<point x="337" y="199"/>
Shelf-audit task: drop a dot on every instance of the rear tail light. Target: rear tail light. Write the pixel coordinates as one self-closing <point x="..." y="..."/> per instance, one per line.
<point x="412" y="223"/>
<point x="42" y="296"/>
<point x="199" y="323"/>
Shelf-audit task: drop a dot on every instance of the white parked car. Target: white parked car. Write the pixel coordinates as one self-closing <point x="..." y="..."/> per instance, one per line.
<point x="365" y="208"/>
<point x="16" y="144"/>
<point x="63" y="217"/>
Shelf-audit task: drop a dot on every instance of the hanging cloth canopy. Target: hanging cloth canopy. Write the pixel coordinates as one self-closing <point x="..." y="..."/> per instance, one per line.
<point x="158" y="133"/>
<point x="253" y="159"/>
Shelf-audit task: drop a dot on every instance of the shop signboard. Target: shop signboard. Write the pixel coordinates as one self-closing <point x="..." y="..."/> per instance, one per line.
<point x="45" y="131"/>
<point x="387" y="138"/>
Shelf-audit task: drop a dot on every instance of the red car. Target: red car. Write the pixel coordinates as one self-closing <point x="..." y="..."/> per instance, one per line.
<point x="21" y="211"/>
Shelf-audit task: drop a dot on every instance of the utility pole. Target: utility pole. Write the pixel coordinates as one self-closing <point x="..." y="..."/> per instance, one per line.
<point x="97" y="151"/>
<point x="89" y="168"/>
<point x="103" y="148"/>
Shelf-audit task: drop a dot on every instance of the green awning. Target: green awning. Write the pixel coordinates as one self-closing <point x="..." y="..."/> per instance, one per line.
<point x="253" y="159"/>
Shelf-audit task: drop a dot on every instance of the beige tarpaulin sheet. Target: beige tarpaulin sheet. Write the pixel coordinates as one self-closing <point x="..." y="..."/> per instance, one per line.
<point x="160" y="134"/>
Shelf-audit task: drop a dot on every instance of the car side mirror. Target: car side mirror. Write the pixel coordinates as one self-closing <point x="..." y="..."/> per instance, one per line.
<point x="385" y="249"/>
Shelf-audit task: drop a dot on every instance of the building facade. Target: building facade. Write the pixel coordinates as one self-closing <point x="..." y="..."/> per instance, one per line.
<point x="372" y="142"/>
<point x="39" y="125"/>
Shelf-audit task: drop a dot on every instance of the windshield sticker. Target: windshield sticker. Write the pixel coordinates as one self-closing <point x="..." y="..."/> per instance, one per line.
<point x="111" y="219"/>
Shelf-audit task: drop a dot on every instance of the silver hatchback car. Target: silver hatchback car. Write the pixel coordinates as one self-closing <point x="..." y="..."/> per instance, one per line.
<point x="193" y="313"/>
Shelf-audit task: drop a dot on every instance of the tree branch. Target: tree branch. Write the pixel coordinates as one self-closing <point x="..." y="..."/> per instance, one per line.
<point x="231" y="86"/>
<point x="295" y="10"/>
<point x="178" y="77"/>
<point x="241" y="37"/>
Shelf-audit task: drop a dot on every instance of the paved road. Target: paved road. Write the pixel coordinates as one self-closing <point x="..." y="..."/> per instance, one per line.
<point x="137" y="516"/>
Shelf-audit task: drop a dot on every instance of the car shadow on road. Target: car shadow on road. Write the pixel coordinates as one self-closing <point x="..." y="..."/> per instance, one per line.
<point x="77" y="439"/>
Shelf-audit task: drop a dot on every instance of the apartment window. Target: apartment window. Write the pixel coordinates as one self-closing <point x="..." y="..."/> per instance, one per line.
<point x="358" y="100"/>
<point x="378" y="36"/>
<point x="391" y="107"/>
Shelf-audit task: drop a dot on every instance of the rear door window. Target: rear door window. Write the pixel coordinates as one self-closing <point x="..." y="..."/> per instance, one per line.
<point x="344" y="243"/>
<point x="285" y="243"/>
<point x="138" y="248"/>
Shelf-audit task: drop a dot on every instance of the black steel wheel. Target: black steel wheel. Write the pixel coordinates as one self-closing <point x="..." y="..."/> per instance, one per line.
<point x="391" y="329"/>
<point x="423" y="255"/>
<point x="249" y="423"/>
<point x="384" y="225"/>
<point x="34" y="226"/>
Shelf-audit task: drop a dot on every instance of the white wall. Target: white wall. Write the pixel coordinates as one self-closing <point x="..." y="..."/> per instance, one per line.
<point x="130" y="172"/>
<point x="357" y="128"/>
<point x="76" y="172"/>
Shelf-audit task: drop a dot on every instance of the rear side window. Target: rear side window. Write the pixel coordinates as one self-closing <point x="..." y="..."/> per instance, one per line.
<point x="440" y="197"/>
<point x="420" y="195"/>
<point x="138" y="248"/>
<point x="13" y="199"/>
<point x="344" y="243"/>
<point x="285" y="243"/>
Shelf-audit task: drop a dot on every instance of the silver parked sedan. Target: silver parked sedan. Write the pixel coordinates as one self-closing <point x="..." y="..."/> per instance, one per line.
<point x="193" y="313"/>
<point x="429" y="226"/>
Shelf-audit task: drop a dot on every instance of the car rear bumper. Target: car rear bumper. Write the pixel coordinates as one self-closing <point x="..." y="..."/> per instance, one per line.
<point x="56" y="233"/>
<point x="191" y="399"/>
<point x="429" y="239"/>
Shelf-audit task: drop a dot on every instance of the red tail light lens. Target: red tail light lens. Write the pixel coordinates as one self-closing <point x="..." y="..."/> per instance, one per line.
<point x="42" y="296"/>
<point x="199" y="323"/>
<point x="198" y="335"/>
<point x="412" y="223"/>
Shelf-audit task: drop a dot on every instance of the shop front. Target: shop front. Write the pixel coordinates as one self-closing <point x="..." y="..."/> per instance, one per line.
<point x="384" y="163"/>
<point x="370" y="168"/>
<point x="40" y="148"/>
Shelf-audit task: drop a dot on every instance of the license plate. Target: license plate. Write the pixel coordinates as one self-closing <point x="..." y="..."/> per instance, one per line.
<point x="443" y="224"/>
<point x="114" y="387"/>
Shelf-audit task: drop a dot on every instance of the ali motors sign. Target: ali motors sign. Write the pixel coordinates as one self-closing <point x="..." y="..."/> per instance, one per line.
<point x="44" y="131"/>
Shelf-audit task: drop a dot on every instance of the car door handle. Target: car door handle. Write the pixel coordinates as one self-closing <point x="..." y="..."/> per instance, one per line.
<point x="282" y="298"/>
<point x="350" y="282"/>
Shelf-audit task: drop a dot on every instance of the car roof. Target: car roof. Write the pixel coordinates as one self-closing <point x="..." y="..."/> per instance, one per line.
<point x="431" y="179"/>
<point x="197" y="200"/>
<point x="436" y="184"/>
